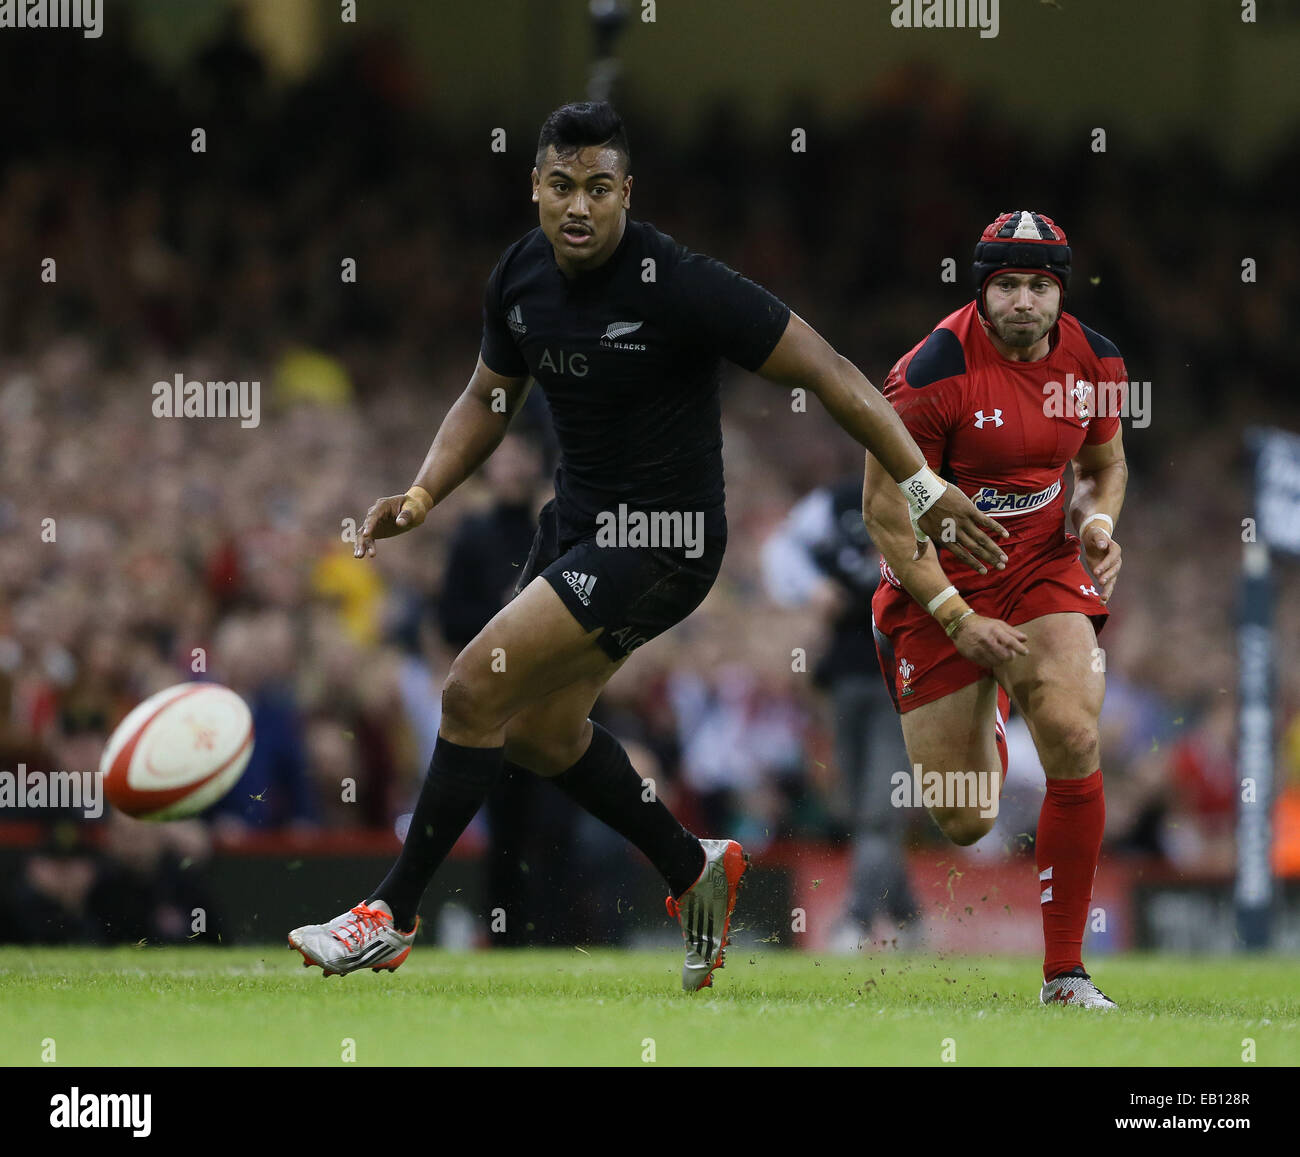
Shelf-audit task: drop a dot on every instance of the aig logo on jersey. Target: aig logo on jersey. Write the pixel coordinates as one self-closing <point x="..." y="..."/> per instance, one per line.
<point x="615" y="330"/>
<point x="628" y="639"/>
<point x="575" y="365"/>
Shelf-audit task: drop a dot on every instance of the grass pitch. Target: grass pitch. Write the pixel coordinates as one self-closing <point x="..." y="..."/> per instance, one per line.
<point x="259" y="1006"/>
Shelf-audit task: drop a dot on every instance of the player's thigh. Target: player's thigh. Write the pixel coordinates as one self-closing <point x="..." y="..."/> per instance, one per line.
<point x="952" y="745"/>
<point x="1059" y="685"/>
<point x="550" y="736"/>
<point x="532" y="647"/>
<point x="955" y="732"/>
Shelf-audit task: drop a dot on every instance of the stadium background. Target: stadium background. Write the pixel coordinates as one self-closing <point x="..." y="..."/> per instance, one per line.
<point x="372" y="141"/>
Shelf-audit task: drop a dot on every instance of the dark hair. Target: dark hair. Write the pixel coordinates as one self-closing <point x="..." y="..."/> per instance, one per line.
<point x="578" y="126"/>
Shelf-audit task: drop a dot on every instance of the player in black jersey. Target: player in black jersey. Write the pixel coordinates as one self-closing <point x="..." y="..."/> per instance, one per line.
<point x="624" y="331"/>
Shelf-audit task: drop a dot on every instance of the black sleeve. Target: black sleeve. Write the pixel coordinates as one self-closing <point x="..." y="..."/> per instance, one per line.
<point x="727" y="313"/>
<point x="498" y="351"/>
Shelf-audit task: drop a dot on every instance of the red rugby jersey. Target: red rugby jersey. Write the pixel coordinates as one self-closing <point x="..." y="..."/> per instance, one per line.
<point x="1003" y="431"/>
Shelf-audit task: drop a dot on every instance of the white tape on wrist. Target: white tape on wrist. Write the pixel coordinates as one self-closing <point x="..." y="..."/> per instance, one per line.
<point x="942" y="597"/>
<point x="1099" y="517"/>
<point x="922" y="491"/>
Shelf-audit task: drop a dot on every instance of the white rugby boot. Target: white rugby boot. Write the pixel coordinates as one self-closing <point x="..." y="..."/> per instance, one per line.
<point x="705" y="908"/>
<point x="363" y="937"/>
<point x="1075" y="988"/>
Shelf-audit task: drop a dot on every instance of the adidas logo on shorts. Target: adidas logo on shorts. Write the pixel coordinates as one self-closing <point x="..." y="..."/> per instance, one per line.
<point x="582" y="584"/>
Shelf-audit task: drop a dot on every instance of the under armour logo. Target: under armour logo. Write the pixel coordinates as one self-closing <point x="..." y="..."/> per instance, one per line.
<point x="981" y="417"/>
<point x="1090" y="590"/>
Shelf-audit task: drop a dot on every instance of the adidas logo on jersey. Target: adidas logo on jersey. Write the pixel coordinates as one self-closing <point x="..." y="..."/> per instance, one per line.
<point x="515" y="320"/>
<point x="582" y="585"/>
<point x="618" y="329"/>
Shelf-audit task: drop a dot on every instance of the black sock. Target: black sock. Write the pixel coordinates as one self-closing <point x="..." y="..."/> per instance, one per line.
<point x="605" y="783"/>
<point x="458" y="782"/>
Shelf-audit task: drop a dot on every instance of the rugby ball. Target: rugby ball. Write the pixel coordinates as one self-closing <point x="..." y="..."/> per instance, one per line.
<point x="178" y="752"/>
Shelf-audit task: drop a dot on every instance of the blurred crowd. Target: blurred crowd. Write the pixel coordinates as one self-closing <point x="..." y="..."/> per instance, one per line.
<point x="144" y="551"/>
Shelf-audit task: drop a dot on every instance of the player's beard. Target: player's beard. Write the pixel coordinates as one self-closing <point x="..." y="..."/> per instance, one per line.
<point x="1022" y="336"/>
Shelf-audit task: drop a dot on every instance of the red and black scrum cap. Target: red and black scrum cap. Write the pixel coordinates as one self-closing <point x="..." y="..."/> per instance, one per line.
<point x="1020" y="242"/>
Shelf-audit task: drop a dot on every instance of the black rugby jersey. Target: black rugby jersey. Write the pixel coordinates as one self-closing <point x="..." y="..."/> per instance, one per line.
<point x="628" y="357"/>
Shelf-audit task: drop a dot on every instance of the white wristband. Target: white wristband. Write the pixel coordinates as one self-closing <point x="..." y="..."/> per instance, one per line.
<point x="1110" y="523"/>
<point x="922" y="491"/>
<point x="942" y="597"/>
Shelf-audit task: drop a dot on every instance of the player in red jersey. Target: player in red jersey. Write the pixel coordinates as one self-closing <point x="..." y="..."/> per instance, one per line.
<point x="1000" y="396"/>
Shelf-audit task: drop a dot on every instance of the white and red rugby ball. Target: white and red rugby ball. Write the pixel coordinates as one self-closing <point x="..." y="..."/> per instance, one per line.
<point x="178" y="752"/>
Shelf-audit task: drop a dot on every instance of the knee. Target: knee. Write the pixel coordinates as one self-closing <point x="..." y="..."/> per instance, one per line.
<point x="963" y="826"/>
<point x="1069" y="740"/>
<point x="466" y="703"/>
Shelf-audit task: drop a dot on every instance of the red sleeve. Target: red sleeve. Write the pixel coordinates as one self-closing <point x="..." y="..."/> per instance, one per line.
<point x="929" y="413"/>
<point x="1111" y="396"/>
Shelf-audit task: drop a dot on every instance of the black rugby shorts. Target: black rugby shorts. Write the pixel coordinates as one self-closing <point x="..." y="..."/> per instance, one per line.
<point x="633" y="593"/>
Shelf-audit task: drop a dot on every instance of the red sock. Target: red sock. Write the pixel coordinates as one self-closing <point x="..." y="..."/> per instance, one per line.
<point x="1069" y="842"/>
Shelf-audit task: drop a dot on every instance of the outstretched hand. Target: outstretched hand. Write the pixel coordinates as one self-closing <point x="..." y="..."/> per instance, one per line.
<point x="387" y="518"/>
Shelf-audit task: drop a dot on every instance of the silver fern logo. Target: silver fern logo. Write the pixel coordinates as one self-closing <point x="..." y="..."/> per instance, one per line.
<point x="618" y="329"/>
